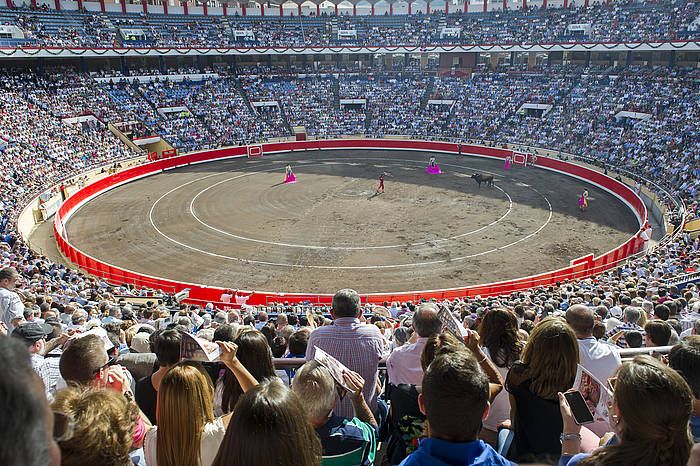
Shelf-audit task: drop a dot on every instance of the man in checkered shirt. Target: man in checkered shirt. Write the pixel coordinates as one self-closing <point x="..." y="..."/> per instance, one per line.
<point x="357" y="345"/>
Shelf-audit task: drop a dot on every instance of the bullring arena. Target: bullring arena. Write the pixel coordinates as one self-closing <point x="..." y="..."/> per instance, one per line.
<point x="234" y="221"/>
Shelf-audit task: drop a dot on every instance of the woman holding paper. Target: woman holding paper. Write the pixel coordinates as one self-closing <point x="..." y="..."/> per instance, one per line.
<point x="649" y="416"/>
<point x="188" y="434"/>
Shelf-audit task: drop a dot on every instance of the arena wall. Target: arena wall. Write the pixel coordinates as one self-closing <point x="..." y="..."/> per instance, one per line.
<point x="199" y="293"/>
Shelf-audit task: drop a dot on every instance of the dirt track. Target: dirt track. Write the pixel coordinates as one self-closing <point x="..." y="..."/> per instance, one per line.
<point x="233" y="224"/>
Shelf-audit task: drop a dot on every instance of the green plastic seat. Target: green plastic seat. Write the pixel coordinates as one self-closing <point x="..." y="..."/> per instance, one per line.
<point x="351" y="458"/>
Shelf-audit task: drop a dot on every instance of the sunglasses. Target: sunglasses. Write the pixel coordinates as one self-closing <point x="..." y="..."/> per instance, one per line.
<point x="112" y="361"/>
<point x="63" y="426"/>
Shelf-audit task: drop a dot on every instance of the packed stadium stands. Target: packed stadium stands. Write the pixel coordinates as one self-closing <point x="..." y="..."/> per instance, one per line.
<point x="108" y="355"/>
<point x="619" y="22"/>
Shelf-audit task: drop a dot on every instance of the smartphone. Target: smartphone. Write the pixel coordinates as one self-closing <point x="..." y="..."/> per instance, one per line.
<point x="579" y="408"/>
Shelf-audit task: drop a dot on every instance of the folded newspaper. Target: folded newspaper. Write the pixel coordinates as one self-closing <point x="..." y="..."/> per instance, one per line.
<point x="198" y="349"/>
<point x="335" y="367"/>
<point x="451" y="324"/>
<point x="595" y="393"/>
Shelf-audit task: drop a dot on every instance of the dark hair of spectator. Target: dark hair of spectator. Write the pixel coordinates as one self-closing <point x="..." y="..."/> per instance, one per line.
<point x="279" y="347"/>
<point x="256" y="356"/>
<point x="224" y="332"/>
<point x="168" y="347"/>
<point x="685" y="359"/>
<point x="270" y="332"/>
<point x="662" y="311"/>
<point x="269" y="427"/>
<point x="658" y="331"/>
<point x="298" y="342"/>
<point x="499" y="334"/>
<point x="634" y="339"/>
<point x="455" y="394"/>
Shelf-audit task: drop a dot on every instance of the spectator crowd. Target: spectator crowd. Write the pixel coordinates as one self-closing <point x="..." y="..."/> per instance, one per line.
<point x="93" y="375"/>
<point x="644" y="21"/>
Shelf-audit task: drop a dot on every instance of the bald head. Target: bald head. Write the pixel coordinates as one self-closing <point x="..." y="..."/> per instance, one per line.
<point x="425" y="320"/>
<point x="581" y="319"/>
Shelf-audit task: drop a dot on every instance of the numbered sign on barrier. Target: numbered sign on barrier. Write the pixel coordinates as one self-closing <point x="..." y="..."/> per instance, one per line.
<point x="255" y="151"/>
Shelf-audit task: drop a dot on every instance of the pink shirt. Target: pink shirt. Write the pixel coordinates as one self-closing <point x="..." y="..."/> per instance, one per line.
<point x="403" y="365"/>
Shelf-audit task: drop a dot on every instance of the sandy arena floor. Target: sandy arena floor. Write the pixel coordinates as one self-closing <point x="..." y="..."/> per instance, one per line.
<point x="234" y="224"/>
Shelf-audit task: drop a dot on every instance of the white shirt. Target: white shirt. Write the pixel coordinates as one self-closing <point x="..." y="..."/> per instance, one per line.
<point x="600" y="359"/>
<point x="11" y="308"/>
<point x="212" y="435"/>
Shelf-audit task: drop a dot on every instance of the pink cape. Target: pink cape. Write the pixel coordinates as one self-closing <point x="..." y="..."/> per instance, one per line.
<point x="290" y="178"/>
<point x="435" y="170"/>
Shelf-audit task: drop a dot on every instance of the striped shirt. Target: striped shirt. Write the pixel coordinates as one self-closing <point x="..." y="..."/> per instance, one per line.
<point x="359" y="347"/>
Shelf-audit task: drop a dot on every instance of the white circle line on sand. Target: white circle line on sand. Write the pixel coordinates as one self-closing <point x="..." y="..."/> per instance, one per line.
<point x="331" y="267"/>
<point x="339" y="248"/>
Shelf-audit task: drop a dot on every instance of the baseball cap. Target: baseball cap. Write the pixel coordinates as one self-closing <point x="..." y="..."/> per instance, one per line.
<point x="32" y="331"/>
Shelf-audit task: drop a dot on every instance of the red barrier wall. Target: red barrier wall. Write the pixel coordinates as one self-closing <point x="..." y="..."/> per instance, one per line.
<point x="580" y="268"/>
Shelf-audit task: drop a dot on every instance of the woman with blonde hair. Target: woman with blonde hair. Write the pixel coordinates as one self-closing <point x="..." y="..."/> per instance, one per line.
<point x="269" y="427"/>
<point x="188" y="434"/>
<point x="547" y="366"/>
<point x="102" y="422"/>
<point x="649" y="416"/>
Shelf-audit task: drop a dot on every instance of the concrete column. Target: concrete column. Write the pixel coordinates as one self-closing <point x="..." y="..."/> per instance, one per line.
<point x="486" y="5"/>
<point x="165" y="6"/>
<point x="409" y="6"/>
<point x="494" y="61"/>
<point x="531" y="60"/>
<point x="336" y="9"/>
<point x="423" y="61"/>
<point x="318" y="9"/>
<point x="354" y="9"/>
<point x="205" y="7"/>
<point x="299" y="9"/>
